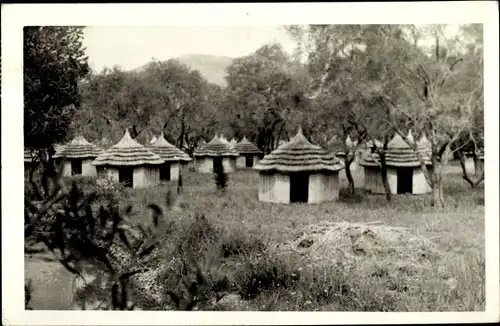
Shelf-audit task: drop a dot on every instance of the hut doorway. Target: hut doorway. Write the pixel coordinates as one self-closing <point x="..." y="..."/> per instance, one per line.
<point x="165" y="172"/>
<point x="405" y="180"/>
<point x="76" y="167"/>
<point x="249" y="161"/>
<point x="299" y="187"/>
<point x="217" y="164"/>
<point x="126" y="176"/>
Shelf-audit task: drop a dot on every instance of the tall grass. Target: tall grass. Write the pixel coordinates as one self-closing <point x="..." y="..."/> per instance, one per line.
<point x="232" y="243"/>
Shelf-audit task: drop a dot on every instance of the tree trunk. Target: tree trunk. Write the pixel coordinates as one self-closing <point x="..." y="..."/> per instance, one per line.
<point x="478" y="169"/>
<point x="385" y="181"/>
<point x="347" y="161"/>
<point x="465" y="175"/>
<point x="437" y="190"/>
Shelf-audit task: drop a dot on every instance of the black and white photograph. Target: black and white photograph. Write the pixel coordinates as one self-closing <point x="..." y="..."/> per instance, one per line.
<point x="309" y="166"/>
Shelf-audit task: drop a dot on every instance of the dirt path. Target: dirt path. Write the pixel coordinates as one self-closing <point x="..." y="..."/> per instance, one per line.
<point x="52" y="284"/>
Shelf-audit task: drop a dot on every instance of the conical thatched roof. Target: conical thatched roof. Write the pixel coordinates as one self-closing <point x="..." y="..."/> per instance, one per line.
<point x="79" y="147"/>
<point x="154" y="139"/>
<point x="425" y="145"/>
<point x="128" y="152"/>
<point x="370" y="143"/>
<point x="167" y="151"/>
<point x="350" y="143"/>
<point x="399" y="154"/>
<point x="223" y="139"/>
<point x="216" y="147"/>
<point x="246" y="147"/>
<point x="299" y="155"/>
<point x="28" y="155"/>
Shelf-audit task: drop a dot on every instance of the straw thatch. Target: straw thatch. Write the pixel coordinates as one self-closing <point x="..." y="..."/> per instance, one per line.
<point x="481" y="154"/>
<point x="216" y="147"/>
<point x="246" y="147"/>
<point x="299" y="155"/>
<point x="154" y="139"/>
<point x="28" y="156"/>
<point x="128" y="152"/>
<point x="369" y="144"/>
<point x="167" y="151"/>
<point x="223" y="139"/>
<point x="78" y="148"/>
<point x="400" y="154"/>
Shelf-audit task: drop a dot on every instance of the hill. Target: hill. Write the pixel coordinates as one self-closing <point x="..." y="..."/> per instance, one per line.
<point x="212" y="67"/>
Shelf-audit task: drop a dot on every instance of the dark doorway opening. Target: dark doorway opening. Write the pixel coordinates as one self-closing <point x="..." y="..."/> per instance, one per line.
<point x="126" y="176"/>
<point x="76" y="167"/>
<point x="405" y="180"/>
<point x="249" y="161"/>
<point x="217" y="164"/>
<point x="299" y="187"/>
<point x="165" y="172"/>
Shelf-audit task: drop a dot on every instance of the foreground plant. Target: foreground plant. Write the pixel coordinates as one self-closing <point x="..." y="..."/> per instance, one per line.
<point x="62" y="219"/>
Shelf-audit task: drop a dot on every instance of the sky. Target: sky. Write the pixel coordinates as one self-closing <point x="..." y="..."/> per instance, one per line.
<point x="131" y="47"/>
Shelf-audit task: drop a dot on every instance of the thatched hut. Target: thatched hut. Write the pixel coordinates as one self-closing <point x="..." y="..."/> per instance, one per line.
<point x="216" y="152"/>
<point x="249" y="154"/>
<point x="29" y="160"/>
<point x="404" y="172"/>
<point x="78" y="156"/>
<point x="298" y="171"/>
<point x="130" y="163"/>
<point x="153" y="140"/>
<point x="174" y="158"/>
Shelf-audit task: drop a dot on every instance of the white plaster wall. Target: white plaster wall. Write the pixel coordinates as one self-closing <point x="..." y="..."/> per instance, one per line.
<point x="469" y="165"/>
<point x="256" y="159"/>
<point x="373" y="180"/>
<point x="229" y="164"/>
<point x="392" y="178"/>
<point x="274" y="188"/>
<point x="66" y="169"/>
<point x="174" y="171"/>
<point x="241" y="161"/>
<point x="146" y="176"/>
<point x="204" y="164"/>
<point x="88" y="169"/>
<point x="323" y="187"/>
<point x="420" y="184"/>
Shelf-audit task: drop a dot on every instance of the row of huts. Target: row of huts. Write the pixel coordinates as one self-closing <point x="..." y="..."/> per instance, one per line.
<point x="139" y="166"/>
<point x="297" y="171"/>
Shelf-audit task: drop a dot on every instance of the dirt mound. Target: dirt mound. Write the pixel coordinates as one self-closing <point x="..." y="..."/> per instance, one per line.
<point x="370" y="248"/>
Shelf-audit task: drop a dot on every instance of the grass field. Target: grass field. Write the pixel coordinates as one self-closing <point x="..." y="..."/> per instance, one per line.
<point x="454" y="282"/>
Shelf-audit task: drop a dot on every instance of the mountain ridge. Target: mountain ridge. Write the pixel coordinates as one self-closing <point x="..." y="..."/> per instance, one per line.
<point x="211" y="67"/>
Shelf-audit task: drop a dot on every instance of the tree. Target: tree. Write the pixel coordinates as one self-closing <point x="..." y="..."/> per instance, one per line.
<point x="342" y="71"/>
<point x="264" y="96"/>
<point x="439" y="99"/>
<point x="54" y="62"/>
<point x="413" y="86"/>
<point x="163" y="97"/>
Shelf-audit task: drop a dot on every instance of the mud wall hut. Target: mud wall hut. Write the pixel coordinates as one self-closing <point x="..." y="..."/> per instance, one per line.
<point x="174" y="158"/>
<point x="216" y="152"/>
<point x="130" y="163"/>
<point x="78" y="156"/>
<point x="299" y="171"/>
<point x="249" y="154"/>
<point x="404" y="172"/>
